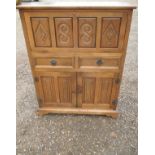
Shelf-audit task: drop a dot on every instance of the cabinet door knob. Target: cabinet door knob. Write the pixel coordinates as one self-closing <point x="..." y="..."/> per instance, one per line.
<point x="53" y="62"/>
<point x="99" y="61"/>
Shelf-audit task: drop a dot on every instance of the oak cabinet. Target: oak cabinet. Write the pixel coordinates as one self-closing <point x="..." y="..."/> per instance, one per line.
<point x="77" y="55"/>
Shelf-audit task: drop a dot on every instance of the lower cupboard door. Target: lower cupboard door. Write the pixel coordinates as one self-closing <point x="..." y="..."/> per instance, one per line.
<point x="56" y="89"/>
<point x="97" y="90"/>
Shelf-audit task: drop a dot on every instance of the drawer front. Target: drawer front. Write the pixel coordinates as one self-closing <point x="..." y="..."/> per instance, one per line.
<point x="55" y="62"/>
<point x="69" y="30"/>
<point x="99" y="62"/>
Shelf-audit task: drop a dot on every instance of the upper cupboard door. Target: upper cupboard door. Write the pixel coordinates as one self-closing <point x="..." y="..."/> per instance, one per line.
<point x="48" y="30"/>
<point x="92" y="31"/>
<point x="102" y="30"/>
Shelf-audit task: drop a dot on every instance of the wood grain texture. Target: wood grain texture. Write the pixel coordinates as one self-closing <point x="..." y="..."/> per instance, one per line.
<point x="103" y="91"/>
<point x="48" y="87"/>
<point x="88" y="90"/>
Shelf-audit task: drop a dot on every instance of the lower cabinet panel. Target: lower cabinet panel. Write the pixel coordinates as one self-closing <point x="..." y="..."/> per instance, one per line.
<point x="56" y="89"/>
<point x="96" y="90"/>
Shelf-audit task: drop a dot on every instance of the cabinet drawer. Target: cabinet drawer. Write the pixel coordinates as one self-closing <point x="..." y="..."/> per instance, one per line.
<point x="55" y="62"/>
<point x="99" y="62"/>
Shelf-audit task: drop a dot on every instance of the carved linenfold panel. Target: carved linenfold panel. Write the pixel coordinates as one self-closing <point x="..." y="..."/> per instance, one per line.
<point x="64" y="32"/>
<point x="41" y="31"/>
<point x="104" y="87"/>
<point x="110" y="32"/>
<point x="97" y="89"/>
<point x="87" y="32"/>
<point x="48" y="88"/>
<point x="58" y="89"/>
<point x="100" y="88"/>
<point x="65" y="89"/>
<point x="88" y="90"/>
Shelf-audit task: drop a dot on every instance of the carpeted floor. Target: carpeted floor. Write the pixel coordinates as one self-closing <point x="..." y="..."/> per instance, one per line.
<point x="72" y="134"/>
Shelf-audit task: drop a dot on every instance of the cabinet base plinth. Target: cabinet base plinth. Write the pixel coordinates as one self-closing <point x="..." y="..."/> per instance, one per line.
<point x="82" y="111"/>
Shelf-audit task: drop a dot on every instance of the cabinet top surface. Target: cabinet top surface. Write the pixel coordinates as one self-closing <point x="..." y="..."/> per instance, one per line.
<point x="85" y="4"/>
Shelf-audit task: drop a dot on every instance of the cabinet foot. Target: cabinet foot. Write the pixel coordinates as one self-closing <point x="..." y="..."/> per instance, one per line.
<point x="113" y="115"/>
<point x="41" y="112"/>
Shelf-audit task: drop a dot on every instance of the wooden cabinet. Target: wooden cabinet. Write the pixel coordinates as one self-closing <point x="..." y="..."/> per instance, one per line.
<point x="77" y="54"/>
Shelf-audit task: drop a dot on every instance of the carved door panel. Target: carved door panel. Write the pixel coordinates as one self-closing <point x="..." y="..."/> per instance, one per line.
<point x="38" y="26"/>
<point x="96" y="90"/>
<point x="87" y="32"/>
<point x="64" y="32"/>
<point x="110" y="32"/>
<point x="113" y="28"/>
<point x="48" y="30"/>
<point x="41" y="31"/>
<point x="101" y="30"/>
<point x="56" y="89"/>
